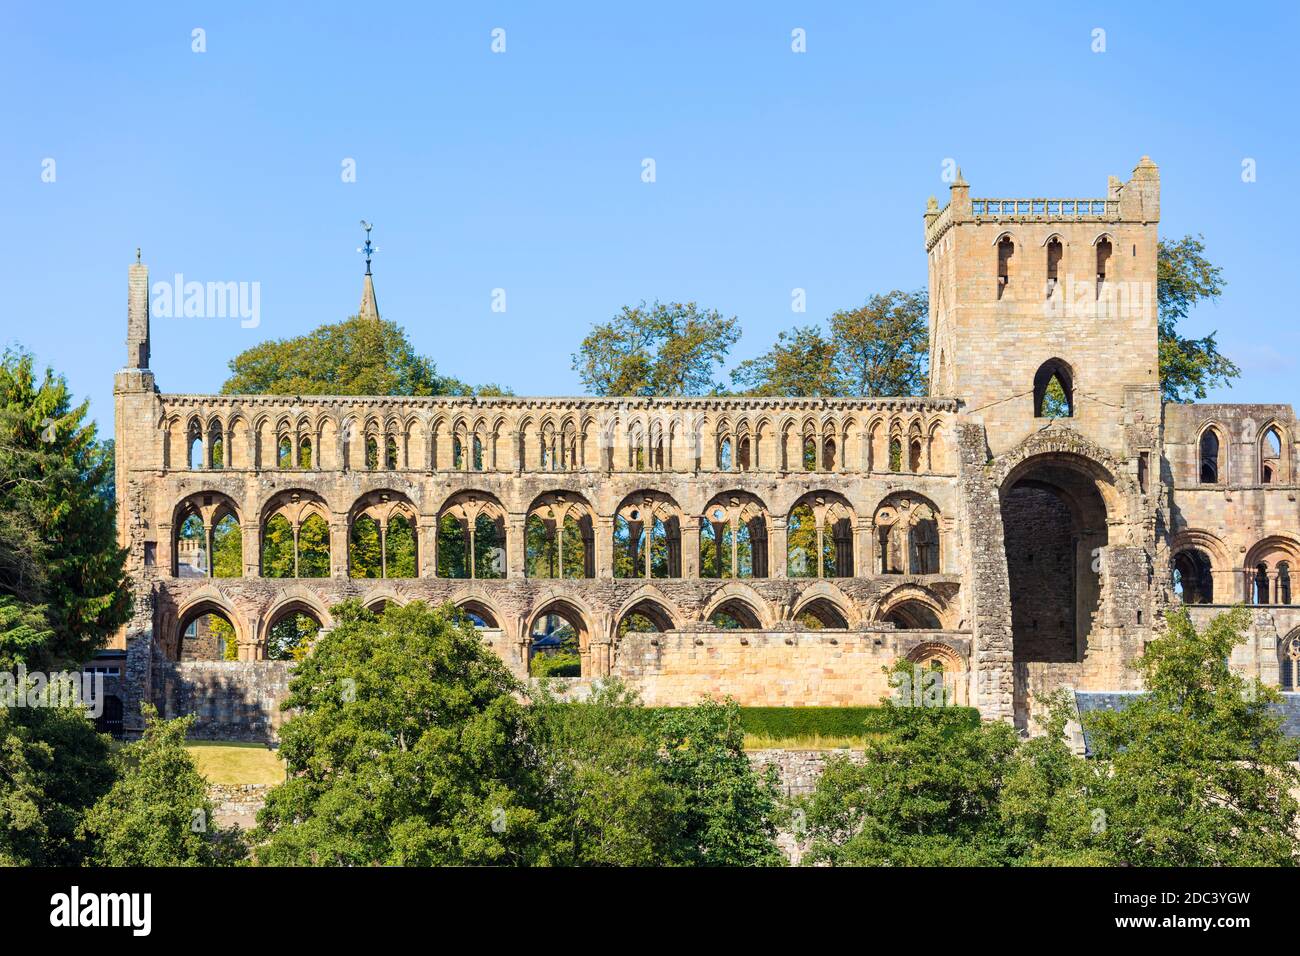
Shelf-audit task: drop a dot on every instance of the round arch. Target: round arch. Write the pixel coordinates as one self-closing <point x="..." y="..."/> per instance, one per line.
<point x="733" y="598"/>
<point x="480" y="611"/>
<point x="200" y="604"/>
<point x="823" y="598"/>
<point x="912" y="607"/>
<point x="292" y="599"/>
<point x="650" y="602"/>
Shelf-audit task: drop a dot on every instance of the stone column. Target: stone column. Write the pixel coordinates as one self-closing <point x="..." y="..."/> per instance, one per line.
<point x="166" y="548"/>
<point x="778" y="544"/>
<point x="691" y="547"/>
<point x="251" y="546"/>
<point x="862" y="550"/>
<point x="338" y="547"/>
<point x="604" y="544"/>
<point x="516" y="546"/>
<point x="427" y="545"/>
<point x="600" y="655"/>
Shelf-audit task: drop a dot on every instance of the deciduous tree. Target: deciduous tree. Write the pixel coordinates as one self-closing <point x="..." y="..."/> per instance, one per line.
<point x="1184" y="277"/>
<point x="669" y="349"/>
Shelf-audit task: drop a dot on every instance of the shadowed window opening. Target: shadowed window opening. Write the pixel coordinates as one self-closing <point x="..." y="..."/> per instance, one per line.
<point x="1193" y="580"/>
<point x="1209" y="457"/>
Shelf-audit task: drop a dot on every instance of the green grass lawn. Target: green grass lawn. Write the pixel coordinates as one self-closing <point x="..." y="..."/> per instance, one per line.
<point x="236" y="763"/>
<point x="803" y="742"/>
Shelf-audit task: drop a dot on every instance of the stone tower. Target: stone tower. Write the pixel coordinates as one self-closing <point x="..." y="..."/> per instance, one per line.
<point x="1026" y="290"/>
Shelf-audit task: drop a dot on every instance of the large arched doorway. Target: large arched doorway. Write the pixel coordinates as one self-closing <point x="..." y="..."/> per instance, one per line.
<point x="1054" y="525"/>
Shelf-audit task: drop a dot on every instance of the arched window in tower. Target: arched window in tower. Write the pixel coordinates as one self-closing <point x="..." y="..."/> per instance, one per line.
<point x="828" y="454"/>
<point x="1006" y="249"/>
<point x="304" y="453"/>
<point x="1103" y="262"/>
<point x="284" y="452"/>
<point x="724" y="455"/>
<point x="1053" y="390"/>
<point x="809" y="453"/>
<point x="1209" y="457"/>
<point x="372" y="452"/>
<point x="1283" y="582"/>
<point x="1054" y="252"/>
<point x="1270" y="456"/>
<point x="895" y="453"/>
<point x="390" y="453"/>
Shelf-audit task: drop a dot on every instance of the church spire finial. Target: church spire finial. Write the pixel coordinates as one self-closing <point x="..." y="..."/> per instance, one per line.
<point x="369" y="307"/>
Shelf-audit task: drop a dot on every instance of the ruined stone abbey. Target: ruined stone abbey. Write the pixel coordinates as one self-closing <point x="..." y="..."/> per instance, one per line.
<point x="1022" y="528"/>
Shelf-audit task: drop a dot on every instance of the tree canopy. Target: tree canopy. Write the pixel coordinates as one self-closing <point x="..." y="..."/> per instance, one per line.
<point x="359" y="356"/>
<point x="877" y="349"/>
<point x="665" y="349"/>
<point x="157" y="812"/>
<point x="411" y="745"/>
<point x="63" y="587"/>
<point x="1184" y="277"/>
<point x="1195" y="771"/>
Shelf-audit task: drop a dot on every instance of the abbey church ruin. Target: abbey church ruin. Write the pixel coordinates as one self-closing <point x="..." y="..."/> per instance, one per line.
<point x="1023" y="528"/>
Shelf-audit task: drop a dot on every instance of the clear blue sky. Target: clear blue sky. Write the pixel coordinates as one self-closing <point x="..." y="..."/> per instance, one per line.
<point x="522" y="170"/>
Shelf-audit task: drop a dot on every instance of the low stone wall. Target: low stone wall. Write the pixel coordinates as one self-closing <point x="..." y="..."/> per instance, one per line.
<point x="231" y="700"/>
<point x="240" y="700"/>
<point x="830" y="668"/>
<point x="237" y="804"/>
<point x="797" y="770"/>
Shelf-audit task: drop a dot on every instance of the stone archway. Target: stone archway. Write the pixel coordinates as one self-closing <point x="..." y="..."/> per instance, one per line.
<point x="1056" y="508"/>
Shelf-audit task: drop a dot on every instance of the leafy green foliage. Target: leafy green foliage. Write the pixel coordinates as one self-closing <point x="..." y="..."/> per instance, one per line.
<point x="53" y="767"/>
<point x="604" y="801"/>
<point x="1201" y="774"/>
<point x="628" y="785"/>
<point x="227" y="549"/>
<point x="1049" y="806"/>
<point x="359" y="356"/>
<point x="926" y="794"/>
<point x="802" y="362"/>
<point x="729" y="813"/>
<point x="58" y="544"/>
<point x="790" y="722"/>
<point x="410" y="746"/>
<point x="879" y="348"/>
<point x="1193" y="772"/>
<point x="1184" y="277"/>
<point x="662" y="349"/>
<point x="1055" y="402"/>
<point x="407" y="747"/>
<point x="157" y="812"/>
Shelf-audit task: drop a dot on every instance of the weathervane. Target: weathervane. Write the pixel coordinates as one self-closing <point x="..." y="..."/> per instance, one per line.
<point x="368" y="250"/>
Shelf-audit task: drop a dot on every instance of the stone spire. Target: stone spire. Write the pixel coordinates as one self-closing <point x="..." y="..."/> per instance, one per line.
<point x="137" y="314"/>
<point x="369" y="307"/>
